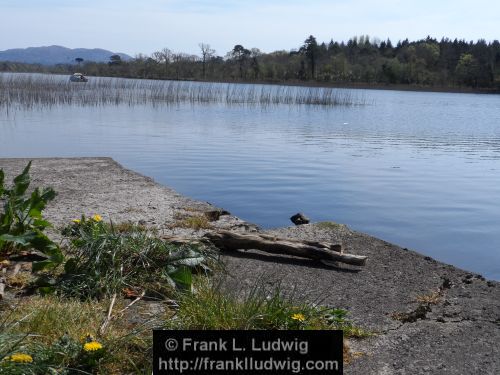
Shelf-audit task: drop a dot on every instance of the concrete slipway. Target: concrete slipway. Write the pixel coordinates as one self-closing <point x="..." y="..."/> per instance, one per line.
<point x="458" y="333"/>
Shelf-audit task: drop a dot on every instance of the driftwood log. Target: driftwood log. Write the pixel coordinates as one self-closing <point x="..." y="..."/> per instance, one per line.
<point x="322" y="251"/>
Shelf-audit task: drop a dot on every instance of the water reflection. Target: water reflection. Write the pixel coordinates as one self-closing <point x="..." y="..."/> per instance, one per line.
<point x="418" y="169"/>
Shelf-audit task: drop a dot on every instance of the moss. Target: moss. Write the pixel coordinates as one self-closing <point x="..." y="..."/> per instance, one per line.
<point x="329" y="225"/>
<point x="194" y="222"/>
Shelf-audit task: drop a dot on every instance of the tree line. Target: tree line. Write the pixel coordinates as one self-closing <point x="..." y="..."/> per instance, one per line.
<point x="427" y="62"/>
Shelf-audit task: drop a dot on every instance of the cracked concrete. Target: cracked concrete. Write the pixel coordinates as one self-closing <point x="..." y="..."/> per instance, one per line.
<point x="459" y="333"/>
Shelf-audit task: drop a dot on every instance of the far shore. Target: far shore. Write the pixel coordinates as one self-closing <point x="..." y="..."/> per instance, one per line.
<point x="339" y="85"/>
<point x="366" y="86"/>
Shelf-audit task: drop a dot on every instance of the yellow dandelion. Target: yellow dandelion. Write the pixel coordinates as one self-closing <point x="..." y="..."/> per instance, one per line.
<point x="76" y="221"/>
<point x="300" y="317"/>
<point x="92" y="346"/>
<point x="21" y="358"/>
<point x="97" y="217"/>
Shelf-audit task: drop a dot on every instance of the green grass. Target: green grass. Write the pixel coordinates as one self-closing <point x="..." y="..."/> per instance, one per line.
<point x="53" y="332"/>
<point x="196" y="222"/>
<point x="211" y="307"/>
<point x="53" y="329"/>
<point x="104" y="261"/>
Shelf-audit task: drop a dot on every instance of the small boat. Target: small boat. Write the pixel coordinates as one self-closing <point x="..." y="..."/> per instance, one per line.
<point x="78" y="77"/>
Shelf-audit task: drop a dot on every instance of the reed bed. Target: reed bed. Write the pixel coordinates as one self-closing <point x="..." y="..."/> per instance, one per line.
<point x="32" y="91"/>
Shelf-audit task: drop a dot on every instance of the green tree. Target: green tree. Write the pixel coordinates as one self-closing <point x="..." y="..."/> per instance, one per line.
<point x="310" y="49"/>
<point x="115" y="60"/>
<point x="429" y="52"/>
<point x="240" y="54"/>
<point x="392" y="71"/>
<point x="467" y="70"/>
<point x="255" y="54"/>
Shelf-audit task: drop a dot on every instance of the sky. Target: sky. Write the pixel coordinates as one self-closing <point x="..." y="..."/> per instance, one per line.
<point x="146" y="26"/>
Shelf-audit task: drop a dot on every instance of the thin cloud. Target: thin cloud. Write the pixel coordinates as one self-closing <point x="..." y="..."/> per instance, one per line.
<point x="135" y="27"/>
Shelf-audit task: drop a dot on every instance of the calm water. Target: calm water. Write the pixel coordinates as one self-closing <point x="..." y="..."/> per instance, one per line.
<point x="417" y="169"/>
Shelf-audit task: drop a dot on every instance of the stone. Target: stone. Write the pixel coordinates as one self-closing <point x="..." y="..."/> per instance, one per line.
<point x="300" y="219"/>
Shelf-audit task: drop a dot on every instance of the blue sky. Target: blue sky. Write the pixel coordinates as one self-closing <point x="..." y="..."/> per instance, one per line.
<point x="149" y="25"/>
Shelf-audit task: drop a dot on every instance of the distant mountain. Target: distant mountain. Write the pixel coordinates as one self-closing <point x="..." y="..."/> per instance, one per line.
<point x="52" y="55"/>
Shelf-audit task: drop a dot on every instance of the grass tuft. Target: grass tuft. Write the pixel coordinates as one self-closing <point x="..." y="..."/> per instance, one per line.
<point x="196" y="222"/>
<point x="104" y="262"/>
<point x="329" y="225"/>
<point x="211" y="307"/>
<point x="433" y="298"/>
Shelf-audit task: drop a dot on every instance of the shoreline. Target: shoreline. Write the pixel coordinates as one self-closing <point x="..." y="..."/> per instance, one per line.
<point x="317" y="84"/>
<point x="460" y="330"/>
<point x="358" y="86"/>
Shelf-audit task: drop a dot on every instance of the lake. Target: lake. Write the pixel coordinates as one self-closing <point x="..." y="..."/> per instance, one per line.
<point x="415" y="168"/>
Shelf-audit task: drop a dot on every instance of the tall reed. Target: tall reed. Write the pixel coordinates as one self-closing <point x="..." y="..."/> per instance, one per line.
<point x="30" y="91"/>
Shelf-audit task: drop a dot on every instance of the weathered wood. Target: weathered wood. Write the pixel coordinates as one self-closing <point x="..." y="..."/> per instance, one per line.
<point x="322" y="245"/>
<point x="176" y="240"/>
<point x="230" y="241"/>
